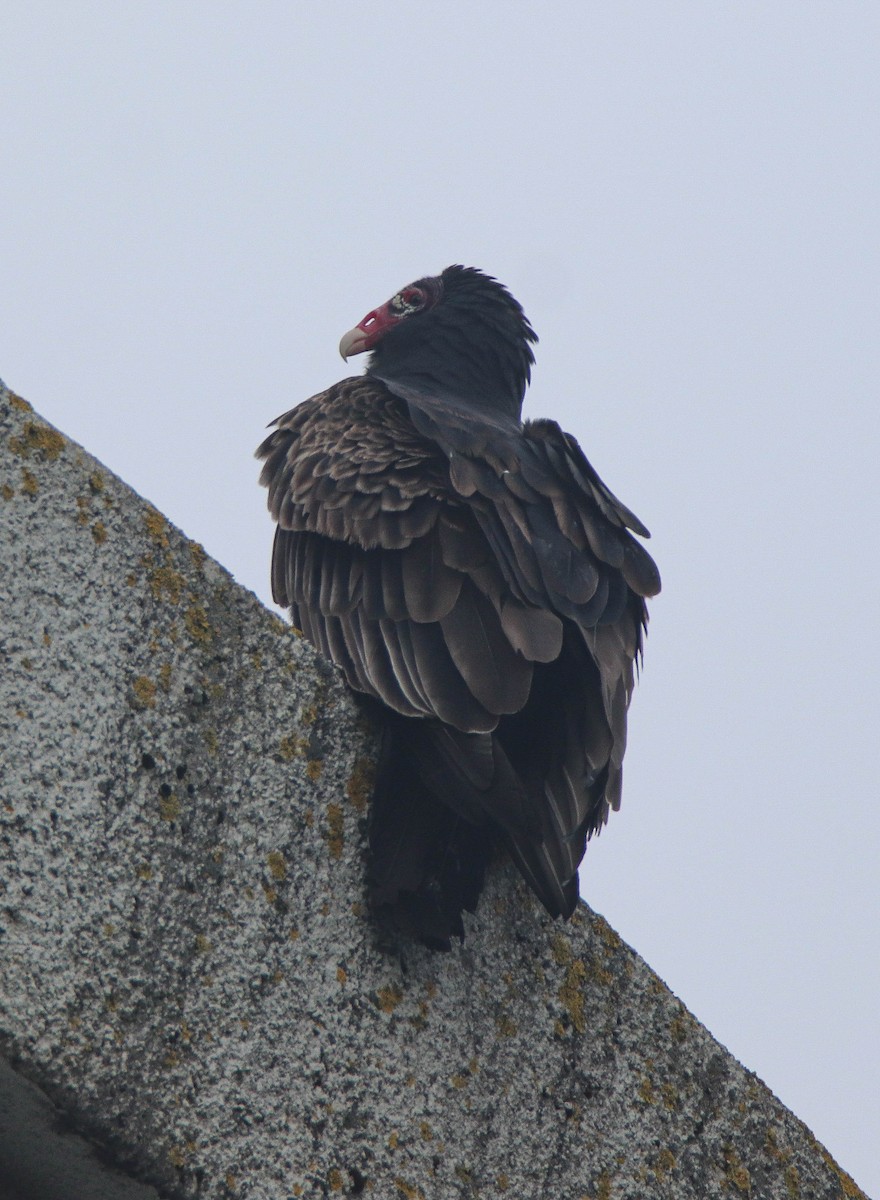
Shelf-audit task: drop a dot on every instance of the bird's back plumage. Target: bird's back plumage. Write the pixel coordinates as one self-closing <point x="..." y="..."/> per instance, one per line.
<point x="477" y="580"/>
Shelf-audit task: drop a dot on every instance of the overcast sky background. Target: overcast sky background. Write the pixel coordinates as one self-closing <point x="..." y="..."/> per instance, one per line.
<point x="198" y="200"/>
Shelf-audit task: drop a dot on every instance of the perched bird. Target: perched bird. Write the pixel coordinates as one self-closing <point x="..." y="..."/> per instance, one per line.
<point x="474" y="576"/>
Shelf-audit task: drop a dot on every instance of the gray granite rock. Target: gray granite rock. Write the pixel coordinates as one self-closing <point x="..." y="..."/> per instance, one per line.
<point x="188" y="969"/>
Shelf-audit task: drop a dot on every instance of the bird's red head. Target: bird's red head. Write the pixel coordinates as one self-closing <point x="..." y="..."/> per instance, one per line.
<point x="458" y="334"/>
<point x="415" y="298"/>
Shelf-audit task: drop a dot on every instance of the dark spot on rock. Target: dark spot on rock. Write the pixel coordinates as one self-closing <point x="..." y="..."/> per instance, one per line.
<point x="180" y="771"/>
<point x="165" y="791"/>
<point x="358" y="1181"/>
<point x="221" y="815"/>
<point x="190" y="790"/>
<point x="148" y="762"/>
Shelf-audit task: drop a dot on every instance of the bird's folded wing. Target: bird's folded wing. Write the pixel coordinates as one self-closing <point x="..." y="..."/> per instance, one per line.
<point x="477" y="582"/>
<point x="435" y="578"/>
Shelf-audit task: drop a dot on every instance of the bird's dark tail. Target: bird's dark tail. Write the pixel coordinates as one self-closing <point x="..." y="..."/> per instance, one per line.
<point x="428" y="861"/>
<point x="442" y="800"/>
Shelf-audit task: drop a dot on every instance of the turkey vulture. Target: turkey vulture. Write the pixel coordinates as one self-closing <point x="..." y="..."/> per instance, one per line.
<point x="474" y="576"/>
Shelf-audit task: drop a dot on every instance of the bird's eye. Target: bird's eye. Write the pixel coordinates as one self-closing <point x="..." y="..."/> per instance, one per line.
<point x="408" y="301"/>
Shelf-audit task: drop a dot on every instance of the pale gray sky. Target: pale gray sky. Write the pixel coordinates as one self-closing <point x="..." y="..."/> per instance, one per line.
<point x="199" y="198"/>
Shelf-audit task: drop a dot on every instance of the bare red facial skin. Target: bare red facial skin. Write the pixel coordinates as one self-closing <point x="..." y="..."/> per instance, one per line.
<point x="368" y="331"/>
<point x="409" y="300"/>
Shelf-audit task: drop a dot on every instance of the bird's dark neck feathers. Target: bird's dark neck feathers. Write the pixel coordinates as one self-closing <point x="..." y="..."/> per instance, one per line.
<point x="473" y="345"/>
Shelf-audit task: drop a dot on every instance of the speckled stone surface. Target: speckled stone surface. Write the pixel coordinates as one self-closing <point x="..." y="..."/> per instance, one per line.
<point x="188" y="970"/>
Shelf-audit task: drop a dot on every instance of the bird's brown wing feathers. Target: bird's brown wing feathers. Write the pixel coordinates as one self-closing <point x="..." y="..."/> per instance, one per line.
<point x="376" y="569"/>
<point x="500" y="592"/>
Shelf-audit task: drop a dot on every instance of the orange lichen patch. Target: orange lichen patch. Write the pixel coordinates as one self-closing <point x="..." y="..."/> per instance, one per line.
<point x="678" y="1026"/>
<point x="341" y="975"/>
<point x="203" y="945"/>
<point x="314" y="767"/>
<point x="157" y="527"/>
<point x="19" y="402"/>
<point x="425" y="1131"/>
<point x="29" y="484"/>
<point x="506" y="1027"/>
<point x="169" y="807"/>
<point x="647" y="1092"/>
<point x="793" y="1182"/>
<point x="165" y="677"/>
<point x="334" y="1178"/>
<point x="197" y="554"/>
<point x="670" y="1097"/>
<point x="277" y="864"/>
<point x="409" y="1190"/>
<point x="96" y="481"/>
<point x="334" y="832"/>
<point x="99" y="533"/>
<point x="658" y="987"/>
<point x="388" y="998"/>
<point x="145" y="872"/>
<point x="7" y="492"/>
<point x="165" y="583"/>
<point x="609" y="937"/>
<point x="197" y="625"/>
<point x="37" y="439"/>
<point x="359" y="787"/>
<point x="459" y="1081"/>
<point x="561" y="949"/>
<point x="144" y="692"/>
<point x="735" y="1172"/>
<point x="292" y="746"/>
<point x="603" y="1187"/>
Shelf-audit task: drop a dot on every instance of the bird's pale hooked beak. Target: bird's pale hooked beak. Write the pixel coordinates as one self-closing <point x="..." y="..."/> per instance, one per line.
<point x="353" y="342"/>
<point x="365" y="334"/>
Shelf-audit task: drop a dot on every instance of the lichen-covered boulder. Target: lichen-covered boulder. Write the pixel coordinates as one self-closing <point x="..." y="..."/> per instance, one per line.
<point x="189" y="971"/>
